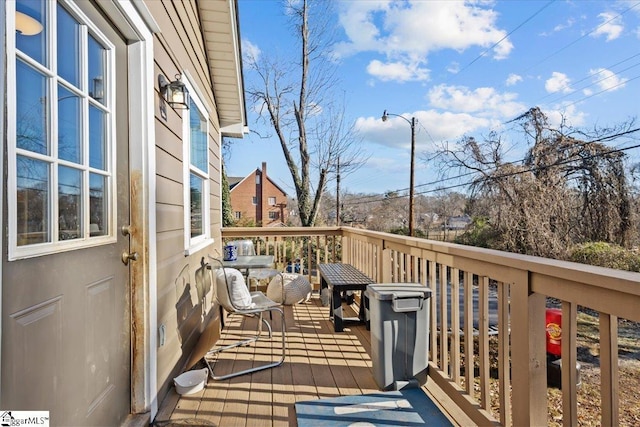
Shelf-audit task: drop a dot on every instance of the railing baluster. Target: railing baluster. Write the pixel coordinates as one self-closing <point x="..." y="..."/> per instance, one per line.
<point x="483" y="337"/>
<point x="469" y="364"/>
<point x="433" y="321"/>
<point x="569" y="359"/>
<point x="455" y="325"/>
<point x="609" y="369"/>
<point x="444" y="336"/>
<point x="504" y="361"/>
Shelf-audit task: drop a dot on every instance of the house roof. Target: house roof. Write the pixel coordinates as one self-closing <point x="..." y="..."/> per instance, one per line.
<point x="235" y="180"/>
<point x="221" y="32"/>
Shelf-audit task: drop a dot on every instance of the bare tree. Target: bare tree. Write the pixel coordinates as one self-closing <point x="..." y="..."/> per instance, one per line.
<point x="296" y="98"/>
<point x="570" y="188"/>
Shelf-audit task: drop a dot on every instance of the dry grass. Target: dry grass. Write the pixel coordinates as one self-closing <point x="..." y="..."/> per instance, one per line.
<point x="589" y="358"/>
<point x="589" y="400"/>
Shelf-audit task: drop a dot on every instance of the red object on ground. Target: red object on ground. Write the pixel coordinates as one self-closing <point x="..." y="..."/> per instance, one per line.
<point x="554" y="331"/>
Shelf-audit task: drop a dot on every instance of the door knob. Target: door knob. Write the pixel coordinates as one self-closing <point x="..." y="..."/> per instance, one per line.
<point x="126" y="257"/>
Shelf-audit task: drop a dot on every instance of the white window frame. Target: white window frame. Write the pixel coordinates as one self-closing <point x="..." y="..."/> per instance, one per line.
<point x="195" y="244"/>
<point x="254" y="200"/>
<point x="273" y="214"/>
<point x="50" y="72"/>
<point x="272" y="201"/>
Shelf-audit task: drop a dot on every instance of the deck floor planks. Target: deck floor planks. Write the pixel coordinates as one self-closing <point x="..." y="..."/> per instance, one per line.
<point x="319" y="363"/>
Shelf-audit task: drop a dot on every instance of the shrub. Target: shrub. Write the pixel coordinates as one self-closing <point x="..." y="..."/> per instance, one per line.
<point x="480" y="233"/>
<point x="604" y="254"/>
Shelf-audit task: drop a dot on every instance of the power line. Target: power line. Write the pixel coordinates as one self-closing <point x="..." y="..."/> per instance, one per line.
<point x="537" y="168"/>
<point x="602" y="70"/>
<point x="582" y="37"/>
<point x="505" y="37"/>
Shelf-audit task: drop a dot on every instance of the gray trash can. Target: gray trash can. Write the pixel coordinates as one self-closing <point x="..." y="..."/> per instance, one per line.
<point x="399" y="333"/>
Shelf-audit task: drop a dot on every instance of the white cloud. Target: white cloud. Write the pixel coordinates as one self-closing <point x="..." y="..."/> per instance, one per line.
<point x="567" y="115"/>
<point x="397" y="71"/>
<point x="513" y="79"/>
<point x="483" y="101"/>
<point x="607" y="80"/>
<point x="558" y="82"/>
<point x="250" y="50"/>
<point x="611" y="26"/>
<point x="407" y="32"/>
<point x="432" y="127"/>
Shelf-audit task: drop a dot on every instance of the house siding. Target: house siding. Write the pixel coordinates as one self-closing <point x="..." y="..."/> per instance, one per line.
<point x="178" y="48"/>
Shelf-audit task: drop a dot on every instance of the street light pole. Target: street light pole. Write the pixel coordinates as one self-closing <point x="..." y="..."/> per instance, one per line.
<point x="412" y="123"/>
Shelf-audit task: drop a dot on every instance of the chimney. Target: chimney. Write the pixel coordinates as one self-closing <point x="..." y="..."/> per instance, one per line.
<point x="263" y="196"/>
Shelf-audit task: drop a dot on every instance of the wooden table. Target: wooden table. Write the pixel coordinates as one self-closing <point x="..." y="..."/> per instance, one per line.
<point x="338" y="278"/>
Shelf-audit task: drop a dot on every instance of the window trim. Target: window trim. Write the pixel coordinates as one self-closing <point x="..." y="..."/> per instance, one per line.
<point x="16" y="252"/>
<point x="195" y="244"/>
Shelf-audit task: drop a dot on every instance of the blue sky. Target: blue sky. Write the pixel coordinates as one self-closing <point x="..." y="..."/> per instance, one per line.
<point x="461" y="68"/>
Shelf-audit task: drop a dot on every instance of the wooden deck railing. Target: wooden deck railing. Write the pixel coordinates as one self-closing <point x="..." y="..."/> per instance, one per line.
<point x="522" y="285"/>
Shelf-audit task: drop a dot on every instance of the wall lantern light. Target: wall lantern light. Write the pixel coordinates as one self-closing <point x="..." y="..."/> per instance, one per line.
<point x="26" y="25"/>
<point x="175" y="93"/>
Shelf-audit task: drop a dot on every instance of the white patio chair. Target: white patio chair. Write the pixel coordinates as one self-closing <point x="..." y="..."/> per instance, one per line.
<point x="233" y="295"/>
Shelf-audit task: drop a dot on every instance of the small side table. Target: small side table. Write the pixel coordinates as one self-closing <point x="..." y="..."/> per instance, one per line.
<point x="343" y="277"/>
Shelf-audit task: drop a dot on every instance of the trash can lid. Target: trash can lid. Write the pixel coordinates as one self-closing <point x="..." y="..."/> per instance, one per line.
<point x="390" y="291"/>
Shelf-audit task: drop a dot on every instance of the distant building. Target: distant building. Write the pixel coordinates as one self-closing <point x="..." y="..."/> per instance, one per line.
<point x="257" y="198"/>
<point x="458" y="222"/>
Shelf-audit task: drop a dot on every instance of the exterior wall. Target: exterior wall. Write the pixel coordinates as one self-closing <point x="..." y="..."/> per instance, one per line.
<point x="242" y="199"/>
<point x="184" y="297"/>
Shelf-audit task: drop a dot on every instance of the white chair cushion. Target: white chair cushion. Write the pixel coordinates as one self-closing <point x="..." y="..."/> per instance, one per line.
<point x="296" y="289"/>
<point x="238" y="294"/>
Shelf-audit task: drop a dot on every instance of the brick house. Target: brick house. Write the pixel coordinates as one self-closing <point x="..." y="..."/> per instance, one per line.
<point x="256" y="197"/>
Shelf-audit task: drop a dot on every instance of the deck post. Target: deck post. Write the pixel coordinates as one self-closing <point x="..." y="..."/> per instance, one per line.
<point x="528" y="354"/>
<point x="385" y="264"/>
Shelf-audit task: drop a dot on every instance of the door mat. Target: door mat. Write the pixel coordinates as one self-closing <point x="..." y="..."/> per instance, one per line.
<point x="408" y="407"/>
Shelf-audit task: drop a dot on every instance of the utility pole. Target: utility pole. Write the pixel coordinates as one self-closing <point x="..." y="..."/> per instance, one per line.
<point x="412" y="123"/>
<point x="338" y="195"/>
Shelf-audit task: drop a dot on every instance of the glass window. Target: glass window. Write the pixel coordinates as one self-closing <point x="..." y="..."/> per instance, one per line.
<point x="254" y="200"/>
<point x="196" y="155"/>
<point x="60" y="155"/>
<point x="273" y="215"/>
<point x="272" y="201"/>
<point x="31" y="29"/>
<point x="238" y="214"/>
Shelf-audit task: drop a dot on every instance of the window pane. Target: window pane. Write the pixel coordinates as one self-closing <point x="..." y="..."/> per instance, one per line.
<point x="198" y="138"/>
<point x="97" y="138"/>
<point x="96" y="70"/>
<point x="31" y="101"/>
<point x="69" y="52"/>
<point x="197" y="185"/>
<point x="98" y="208"/>
<point x="69" y="203"/>
<point x="33" y="201"/>
<point x="69" y="130"/>
<point x="30" y="32"/>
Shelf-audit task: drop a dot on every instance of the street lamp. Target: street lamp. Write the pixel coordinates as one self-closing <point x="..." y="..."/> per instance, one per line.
<point x="412" y="123"/>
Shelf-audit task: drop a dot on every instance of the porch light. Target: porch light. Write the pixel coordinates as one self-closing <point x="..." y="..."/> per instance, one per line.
<point x="27" y="25"/>
<point x="175" y="93"/>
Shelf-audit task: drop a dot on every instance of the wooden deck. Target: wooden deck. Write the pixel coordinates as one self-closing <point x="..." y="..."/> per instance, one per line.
<point x="320" y="363"/>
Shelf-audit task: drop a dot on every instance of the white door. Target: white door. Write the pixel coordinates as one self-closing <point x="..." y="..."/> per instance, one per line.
<point x="66" y="344"/>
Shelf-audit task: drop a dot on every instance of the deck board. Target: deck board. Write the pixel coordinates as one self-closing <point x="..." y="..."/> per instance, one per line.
<point x="320" y="363"/>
